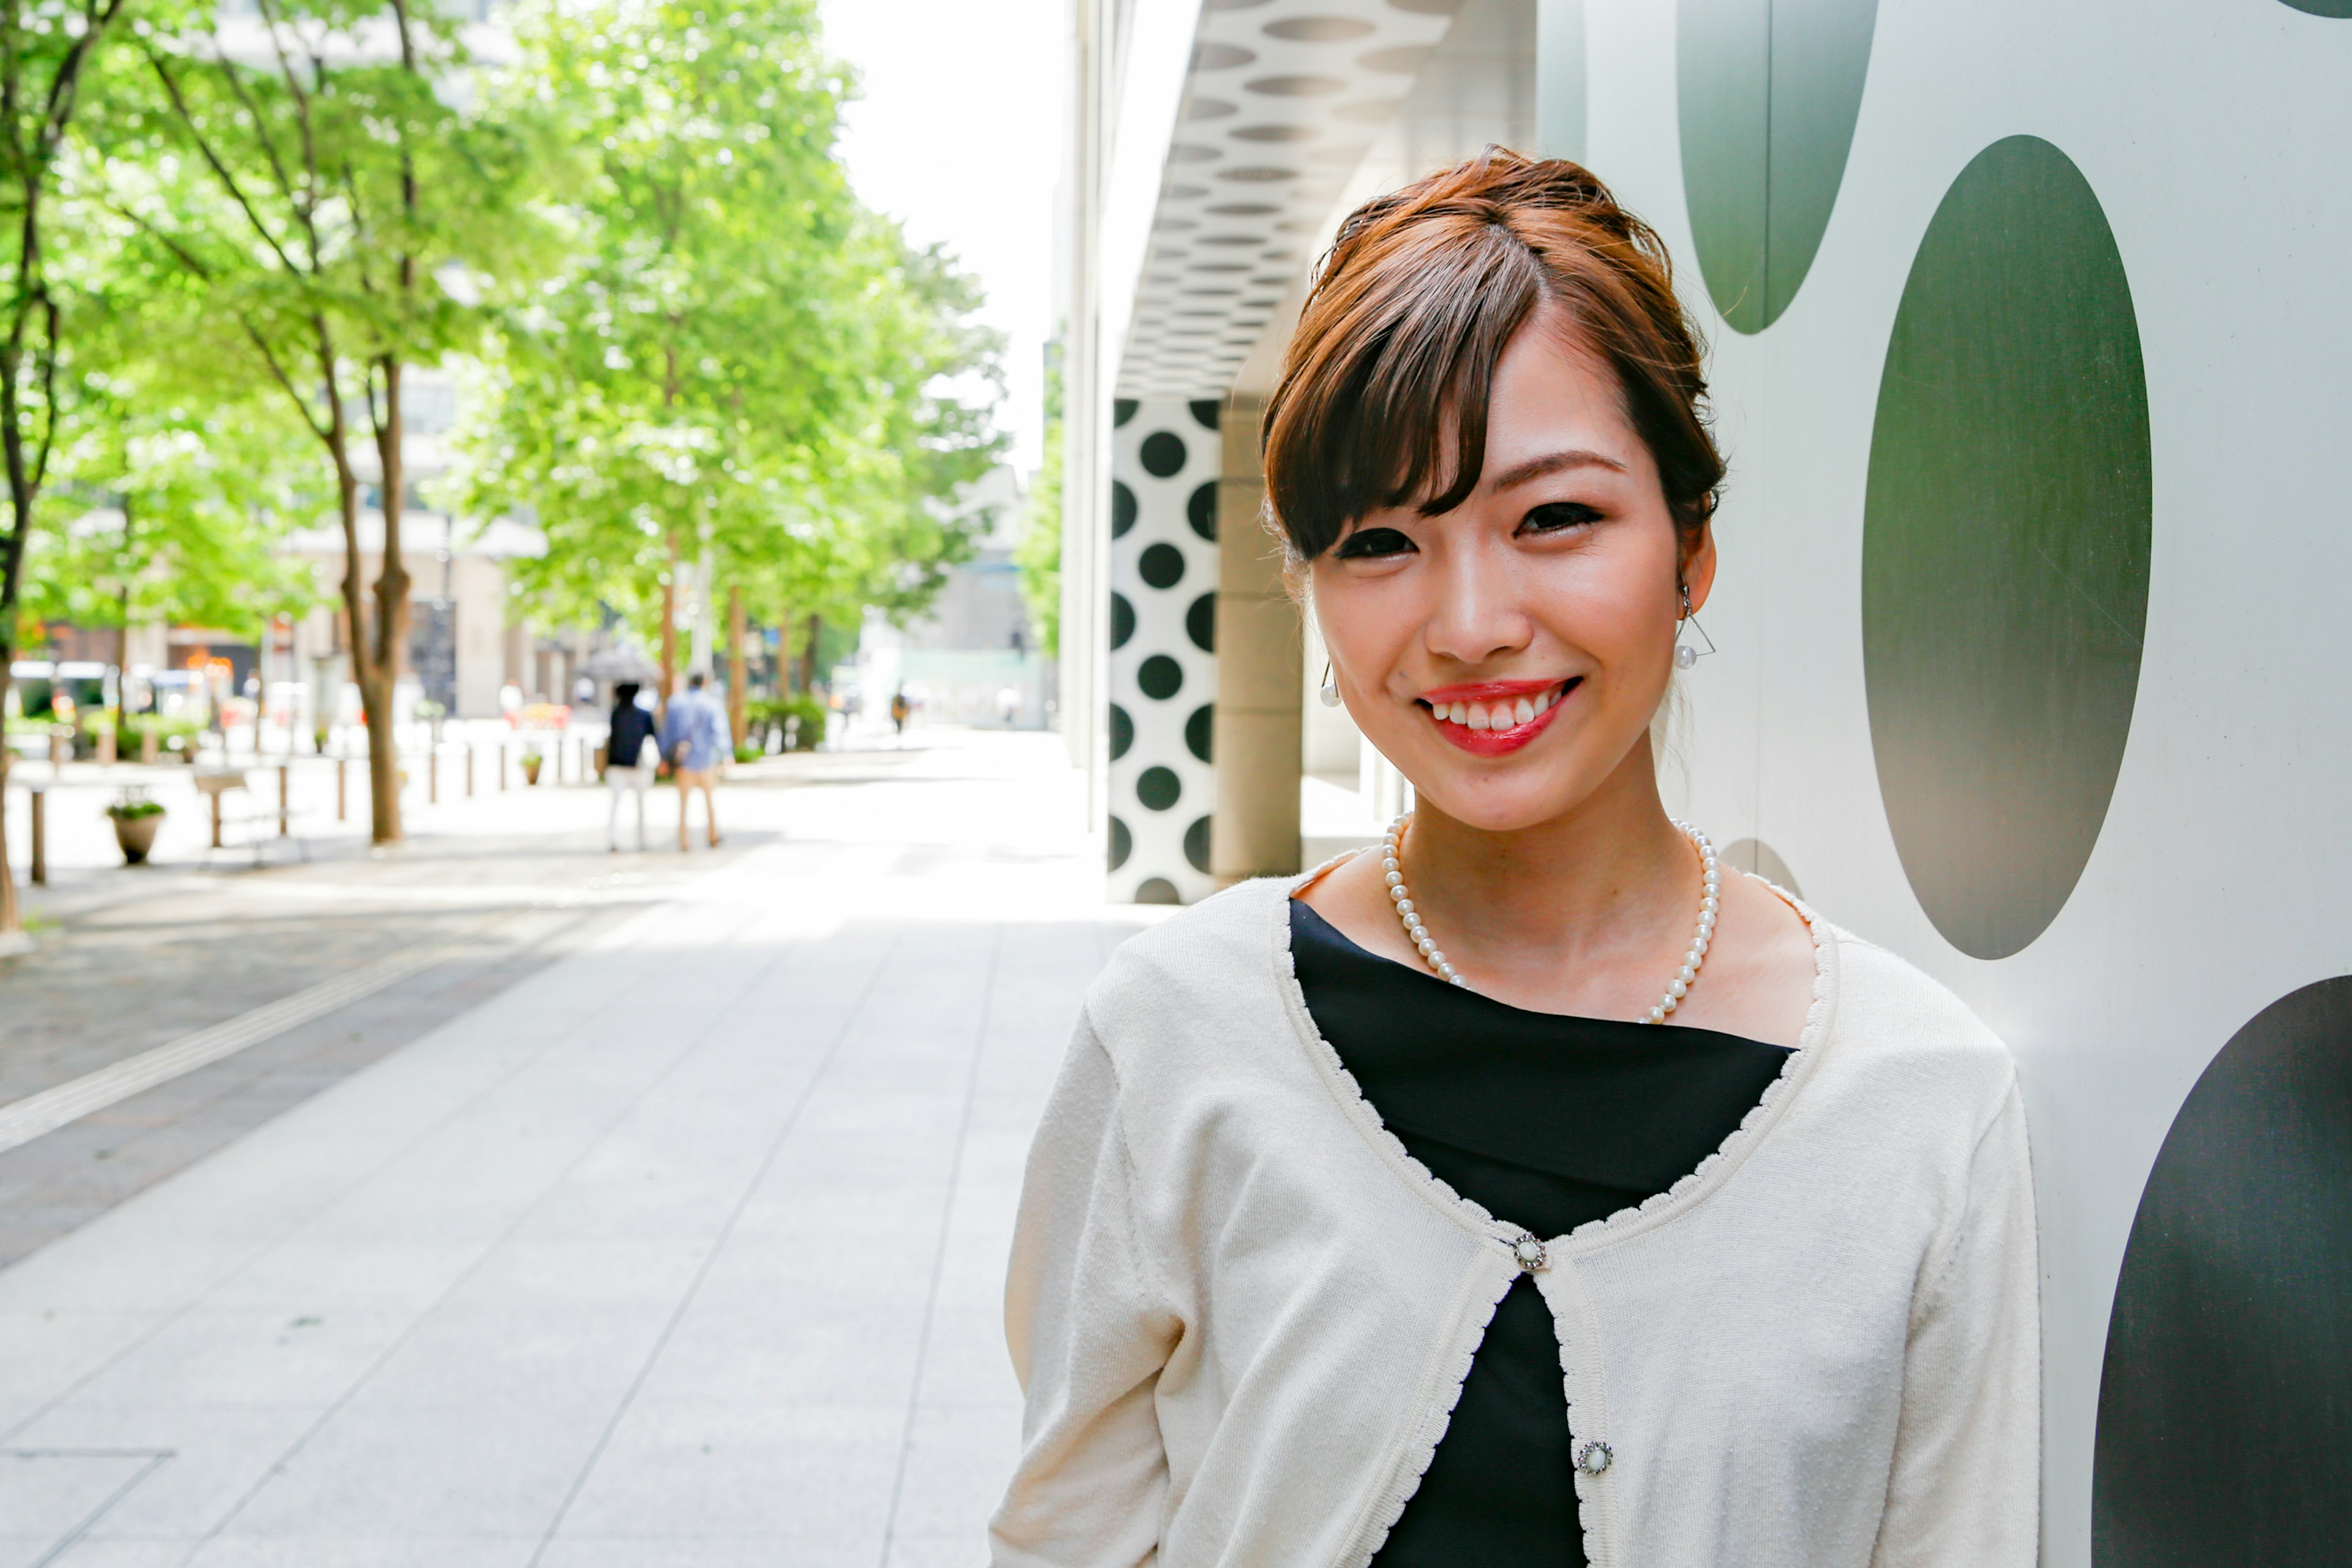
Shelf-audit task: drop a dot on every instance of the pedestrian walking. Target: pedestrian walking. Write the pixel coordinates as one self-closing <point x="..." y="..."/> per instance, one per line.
<point x="899" y="709"/>
<point x="695" y="739"/>
<point x="1534" y="1188"/>
<point x="626" y="766"/>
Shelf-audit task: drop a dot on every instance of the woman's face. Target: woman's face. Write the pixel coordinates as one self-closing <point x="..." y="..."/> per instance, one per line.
<point x="1507" y="656"/>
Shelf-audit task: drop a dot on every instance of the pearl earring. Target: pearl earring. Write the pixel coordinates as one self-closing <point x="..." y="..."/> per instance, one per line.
<point x="1686" y="654"/>
<point x="1329" y="690"/>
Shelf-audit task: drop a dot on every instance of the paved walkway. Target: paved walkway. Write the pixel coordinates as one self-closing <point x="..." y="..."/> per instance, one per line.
<point x="686" y="1248"/>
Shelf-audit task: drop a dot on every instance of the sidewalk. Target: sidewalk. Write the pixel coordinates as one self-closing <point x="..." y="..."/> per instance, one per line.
<point x="686" y="1249"/>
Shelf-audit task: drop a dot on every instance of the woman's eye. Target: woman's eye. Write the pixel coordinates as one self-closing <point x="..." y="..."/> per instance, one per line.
<point x="1554" y="516"/>
<point x="1371" y="543"/>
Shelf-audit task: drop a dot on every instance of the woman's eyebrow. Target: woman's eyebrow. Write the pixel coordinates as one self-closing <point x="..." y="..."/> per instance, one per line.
<point x="1552" y="463"/>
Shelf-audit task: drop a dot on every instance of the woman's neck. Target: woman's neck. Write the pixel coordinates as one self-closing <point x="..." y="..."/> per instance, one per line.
<point x="1603" y="885"/>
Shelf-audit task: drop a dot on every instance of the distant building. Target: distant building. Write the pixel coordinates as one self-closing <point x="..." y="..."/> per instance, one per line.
<point x="973" y="659"/>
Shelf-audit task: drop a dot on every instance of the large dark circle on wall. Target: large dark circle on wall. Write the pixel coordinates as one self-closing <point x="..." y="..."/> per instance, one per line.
<point x="1122" y="732"/>
<point x="1159" y="677"/>
<point x="1122" y="508"/>
<point x="1122" y="842"/>
<point x="2336" y="8"/>
<point x="1162" y="565"/>
<point x="2225" y="1405"/>
<point x="1200" y="732"/>
<point x="2005" y="547"/>
<point x="1200" y="623"/>
<point x="1157" y="891"/>
<point x="1767" y="92"/>
<point x="1122" y="619"/>
<point x="1200" y="510"/>
<point x="1196" y="845"/>
<point x="1162" y="454"/>
<point x="1158" y="787"/>
<point x="1122" y="409"/>
<point x="1205" y="410"/>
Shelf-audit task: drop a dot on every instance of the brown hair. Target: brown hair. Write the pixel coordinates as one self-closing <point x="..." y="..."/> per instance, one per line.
<point x="1411" y="311"/>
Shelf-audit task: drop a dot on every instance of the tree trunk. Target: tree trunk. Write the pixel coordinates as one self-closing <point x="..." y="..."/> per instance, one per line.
<point x="11" y="919"/>
<point x="122" y="632"/>
<point x="381" y="679"/>
<point x="735" y="673"/>
<point x="808" y="652"/>
<point x="669" y="630"/>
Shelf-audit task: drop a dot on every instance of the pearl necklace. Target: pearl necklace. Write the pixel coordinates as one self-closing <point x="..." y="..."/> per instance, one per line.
<point x="1710" y="894"/>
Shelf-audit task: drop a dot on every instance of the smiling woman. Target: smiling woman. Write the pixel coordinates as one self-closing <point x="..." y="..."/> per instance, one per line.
<point x="1650" y="1219"/>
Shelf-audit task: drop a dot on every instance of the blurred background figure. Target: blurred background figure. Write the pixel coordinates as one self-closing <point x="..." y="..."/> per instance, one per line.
<point x="695" y="739"/>
<point x="625" y="765"/>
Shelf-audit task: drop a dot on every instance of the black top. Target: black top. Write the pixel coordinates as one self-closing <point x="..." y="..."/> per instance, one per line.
<point x="1546" y="1121"/>
<point x="632" y="728"/>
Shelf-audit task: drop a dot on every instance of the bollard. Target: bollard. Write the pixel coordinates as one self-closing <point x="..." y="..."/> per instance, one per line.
<point x="285" y="798"/>
<point x="432" y="775"/>
<point x="217" y="815"/>
<point x="147" y="748"/>
<point x="342" y="796"/>
<point x="502" y="767"/>
<point x="40" y="837"/>
<point x="469" y="770"/>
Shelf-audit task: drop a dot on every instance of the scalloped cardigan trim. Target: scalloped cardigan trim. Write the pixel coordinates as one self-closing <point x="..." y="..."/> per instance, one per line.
<point x="1242" y="1312"/>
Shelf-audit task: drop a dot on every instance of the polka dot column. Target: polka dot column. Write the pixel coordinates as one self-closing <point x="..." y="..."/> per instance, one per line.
<point x="1165" y="458"/>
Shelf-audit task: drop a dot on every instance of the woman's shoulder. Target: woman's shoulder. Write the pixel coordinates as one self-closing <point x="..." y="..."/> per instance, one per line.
<point x="1890" y="1016"/>
<point x="1220" y="941"/>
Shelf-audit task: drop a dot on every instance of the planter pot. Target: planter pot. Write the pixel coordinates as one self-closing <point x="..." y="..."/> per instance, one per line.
<point x="136" y="835"/>
<point x="531" y="770"/>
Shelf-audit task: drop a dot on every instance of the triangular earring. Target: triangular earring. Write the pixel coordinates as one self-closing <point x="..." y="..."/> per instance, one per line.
<point x="1684" y="654"/>
<point x="1329" y="690"/>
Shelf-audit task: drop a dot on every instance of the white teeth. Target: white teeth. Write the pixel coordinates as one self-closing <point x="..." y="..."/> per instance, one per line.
<point x="1525" y="713"/>
<point x="1459" y="712"/>
<point x="1543" y="700"/>
<point x="1478" y="717"/>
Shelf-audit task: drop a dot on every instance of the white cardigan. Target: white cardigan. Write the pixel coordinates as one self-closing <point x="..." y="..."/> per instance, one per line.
<point x="1242" y="1313"/>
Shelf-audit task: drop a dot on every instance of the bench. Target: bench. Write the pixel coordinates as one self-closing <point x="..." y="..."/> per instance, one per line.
<point x="217" y="782"/>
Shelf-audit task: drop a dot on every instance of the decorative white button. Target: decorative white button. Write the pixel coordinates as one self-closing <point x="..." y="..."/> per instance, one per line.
<point x="1528" y="1251"/>
<point x="1593" y="1457"/>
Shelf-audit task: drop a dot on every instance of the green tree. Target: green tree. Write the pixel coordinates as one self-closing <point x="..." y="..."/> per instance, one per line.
<point x="47" y="50"/>
<point x="328" y="174"/>
<point x="740" y="367"/>
<point x="1039" y="552"/>
<point x="170" y="511"/>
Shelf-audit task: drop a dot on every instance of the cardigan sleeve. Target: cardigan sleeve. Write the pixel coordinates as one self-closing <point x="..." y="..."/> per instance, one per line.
<point x="1089" y="1335"/>
<point x="1964" y="1491"/>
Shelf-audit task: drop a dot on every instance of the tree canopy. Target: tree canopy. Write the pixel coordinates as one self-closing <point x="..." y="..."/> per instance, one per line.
<point x="737" y="363"/>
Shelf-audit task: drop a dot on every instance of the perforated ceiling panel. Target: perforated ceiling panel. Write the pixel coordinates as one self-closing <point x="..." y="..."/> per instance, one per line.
<point x="1282" y="98"/>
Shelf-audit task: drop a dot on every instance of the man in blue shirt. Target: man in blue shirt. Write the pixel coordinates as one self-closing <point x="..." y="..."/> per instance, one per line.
<point x="695" y="739"/>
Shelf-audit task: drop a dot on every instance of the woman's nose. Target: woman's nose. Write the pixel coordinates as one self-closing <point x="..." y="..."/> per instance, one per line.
<point x="1477" y="615"/>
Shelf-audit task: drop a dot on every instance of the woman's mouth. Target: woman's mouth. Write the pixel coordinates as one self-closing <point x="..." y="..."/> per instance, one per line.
<point x="1489" y="719"/>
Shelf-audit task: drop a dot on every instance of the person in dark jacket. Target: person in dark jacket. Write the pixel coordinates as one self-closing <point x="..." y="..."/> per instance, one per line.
<point x="626" y="765"/>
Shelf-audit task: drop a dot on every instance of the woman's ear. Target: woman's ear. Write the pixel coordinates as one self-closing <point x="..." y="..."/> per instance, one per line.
<point x="1698" y="564"/>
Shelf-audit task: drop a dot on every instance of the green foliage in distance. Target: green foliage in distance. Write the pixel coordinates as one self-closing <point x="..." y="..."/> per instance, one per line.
<point x="738" y="359"/>
<point x="327" y="175"/>
<point x="48" y="50"/>
<point x="1038" y="553"/>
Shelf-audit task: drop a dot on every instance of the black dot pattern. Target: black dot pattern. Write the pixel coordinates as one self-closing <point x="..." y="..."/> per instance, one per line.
<point x="1161" y="565"/>
<point x="1200" y="623"/>
<point x="1163" y="671"/>
<point x="1200" y="731"/>
<point x="1159" y="677"/>
<point x="1159" y="788"/>
<point x="1201" y="511"/>
<point x="1164" y="453"/>
<point x="1196" y="845"/>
